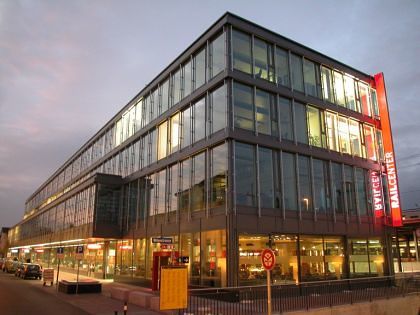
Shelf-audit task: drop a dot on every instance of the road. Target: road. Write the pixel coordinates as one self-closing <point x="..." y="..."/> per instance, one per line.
<point x="25" y="297"/>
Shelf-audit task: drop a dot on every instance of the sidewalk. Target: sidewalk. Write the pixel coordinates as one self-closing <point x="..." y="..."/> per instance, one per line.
<point x="96" y="303"/>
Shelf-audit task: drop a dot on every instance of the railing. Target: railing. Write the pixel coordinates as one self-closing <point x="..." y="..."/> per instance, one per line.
<point x="309" y="295"/>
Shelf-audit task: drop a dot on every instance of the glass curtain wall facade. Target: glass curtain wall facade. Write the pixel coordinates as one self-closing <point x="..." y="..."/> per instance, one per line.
<point x="242" y="143"/>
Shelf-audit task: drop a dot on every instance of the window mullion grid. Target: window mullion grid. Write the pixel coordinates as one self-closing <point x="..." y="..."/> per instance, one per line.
<point x="333" y="191"/>
<point x="293" y="122"/>
<point x="343" y="186"/>
<point x="254" y="110"/>
<point x="234" y="176"/>
<point x="207" y="172"/>
<point x="280" y="163"/>
<point x="356" y="194"/>
<point x="296" y="158"/>
<point x="277" y="105"/>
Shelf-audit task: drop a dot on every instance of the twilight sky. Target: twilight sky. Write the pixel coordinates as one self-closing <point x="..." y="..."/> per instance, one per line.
<point x="66" y="67"/>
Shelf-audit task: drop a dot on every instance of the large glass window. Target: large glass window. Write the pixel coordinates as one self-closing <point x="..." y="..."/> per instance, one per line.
<point x="361" y="191"/>
<point x="263" y="106"/>
<point x="163" y="140"/>
<point x="376" y="257"/>
<point x="164" y="97"/>
<point x="337" y="185"/>
<point x="289" y="181"/>
<point x="186" y="127"/>
<point x="245" y="175"/>
<point x="263" y="60"/>
<point x="241" y="46"/>
<point x="282" y="67"/>
<point x="359" y="259"/>
<point x="350" y="192"/>
<point x="315" y="127"/>
<point x="218" y="169"/>
<point x="332" y="134"/>
<point x="152" y="146"/>
<point x="374" y="101"/>
<point x="286" y="119"/>
<point x="184" y="194"/>
<point x="243" y="106"/>
<point x="339" y="89"/>
<point x="343" y="135"/>
<point x="300" y="123"/>
<point x="266" y="185"/>
<point x="312" y="266"/>
<point x="176" y="87"/>
<point x="198" y="190"/>
<point x="370" y="142"/>
<point x="311" y="76"/>
<point x="364" y="99"/>
<point x="161" y="192"/>
<point x="187" y="79"/>
<point x="217" y="55"/>
<point x="305" y="183"/>
<point x="175" y="128"/>
<point x="350" y="93"/>
<point x="218" y="109"/>
<point x="355" y="143"/>
<point x="199" y="119"/>
<point x="297" y="73"/>
<point x="327" y="84"/>
<point x="334" y="257"/>
<point x="173" y="193"/>
<point x="380" y="144"/>
<point x="321" y="185"/>
<point x="200" y="68"/>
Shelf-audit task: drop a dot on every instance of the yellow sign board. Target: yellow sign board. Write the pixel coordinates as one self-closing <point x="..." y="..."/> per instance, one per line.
<point x="173" y="288"/>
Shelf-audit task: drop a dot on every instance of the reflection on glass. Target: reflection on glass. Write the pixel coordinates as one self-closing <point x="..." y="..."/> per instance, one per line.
<point x="198" y="189"/>
<point x="175" y="126"/>
<point x="163" y="140"/>
<point x="343" y="135"/>
<point x="300" y="122"/>
<point x="286" y="119"/>
<point x="334" y="257"/>
<point x="217" y="55"/>
<point x="218" y="181"/>
<point x="282" y="67"/>
<point x="265" y="157"/>
<point x="173" y="193"/>
<point x="370" y="142"/>
<point x="289" y="181"/>
<point x="327" y="84"/>
<point x="187" y="79"/>
<point x="354" y="131"/>
<point x="176" y="87"/>
<point x="311" y="76"/>
<point x="161" y="188"/>
<point x="243" y="106"/>
<point x="350" y="94"/>
<point x="337" y="186"/>
<point x="321" y="185"/>
<point x="332" y="134"/>
<point x="263" y="60"/>
<point x="361" y="191"/>
<point x="241" y="46"/>
<point x="364" y="99"/>
<point x="164" y="99"/>
<point x="218" y="109"/>
<point x="297" y="73"/>
<point x="262" y="106"/>
<point x="305" y="183"/>
<point x="245" y="175"/>
<point x="186" y="127"/>
<point x="199" y="119"/>
<point x="312" y="266"/>
<point x="350" y="194"/>
<point x="184" y="194"/>
<point x="200" y="68"/>
<point x="339" y="89"/>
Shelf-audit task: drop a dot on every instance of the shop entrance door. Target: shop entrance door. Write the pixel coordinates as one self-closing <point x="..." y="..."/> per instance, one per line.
<point x="161" y="259"/>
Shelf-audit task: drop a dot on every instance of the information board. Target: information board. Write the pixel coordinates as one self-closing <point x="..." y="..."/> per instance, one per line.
<point x="48" y="275"/>
<point x="173" y="288"/>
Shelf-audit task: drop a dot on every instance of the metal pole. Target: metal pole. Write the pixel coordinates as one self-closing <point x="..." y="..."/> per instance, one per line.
<point x="268" y="292"/>
<point x="77" y="280"/>
<point x="58" y="271"/>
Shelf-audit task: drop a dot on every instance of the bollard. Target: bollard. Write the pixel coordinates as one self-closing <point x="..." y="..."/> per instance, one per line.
<point x="125" y="308"/>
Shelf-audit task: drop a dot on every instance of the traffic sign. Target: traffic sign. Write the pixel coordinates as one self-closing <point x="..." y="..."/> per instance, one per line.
<point x="184" y="259"/>
<point x="79" y="252"/>
<point x="164" y="240"/>
<point x="60" y="252"/>
<point x="268" y="259"/>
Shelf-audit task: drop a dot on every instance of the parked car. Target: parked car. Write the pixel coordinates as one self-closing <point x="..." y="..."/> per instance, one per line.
<point x="31" y="271"/>
<point x="11" y="265"/>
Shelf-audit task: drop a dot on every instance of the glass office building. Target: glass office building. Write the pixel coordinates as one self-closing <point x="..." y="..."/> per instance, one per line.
<point x="247" y="140"/>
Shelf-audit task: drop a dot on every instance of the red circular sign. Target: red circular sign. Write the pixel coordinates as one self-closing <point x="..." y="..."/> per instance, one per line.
<point x="268" y="259"/>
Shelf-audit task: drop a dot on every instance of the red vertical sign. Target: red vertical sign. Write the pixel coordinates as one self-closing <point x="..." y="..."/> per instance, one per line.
<point x="391" y="171"/>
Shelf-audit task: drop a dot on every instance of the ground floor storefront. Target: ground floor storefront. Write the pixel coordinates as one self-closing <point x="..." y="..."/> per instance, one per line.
<point x="299" y="258"/>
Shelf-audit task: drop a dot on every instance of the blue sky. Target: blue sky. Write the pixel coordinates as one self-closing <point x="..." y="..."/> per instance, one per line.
<point x="66" y="67"/>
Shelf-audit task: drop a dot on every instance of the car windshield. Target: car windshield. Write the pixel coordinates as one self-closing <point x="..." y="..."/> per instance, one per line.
<point x="33" y="267"/>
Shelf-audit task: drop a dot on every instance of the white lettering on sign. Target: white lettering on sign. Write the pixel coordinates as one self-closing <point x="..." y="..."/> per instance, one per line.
<point x="392" y="180"/>
<point x="378" y="203"/>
